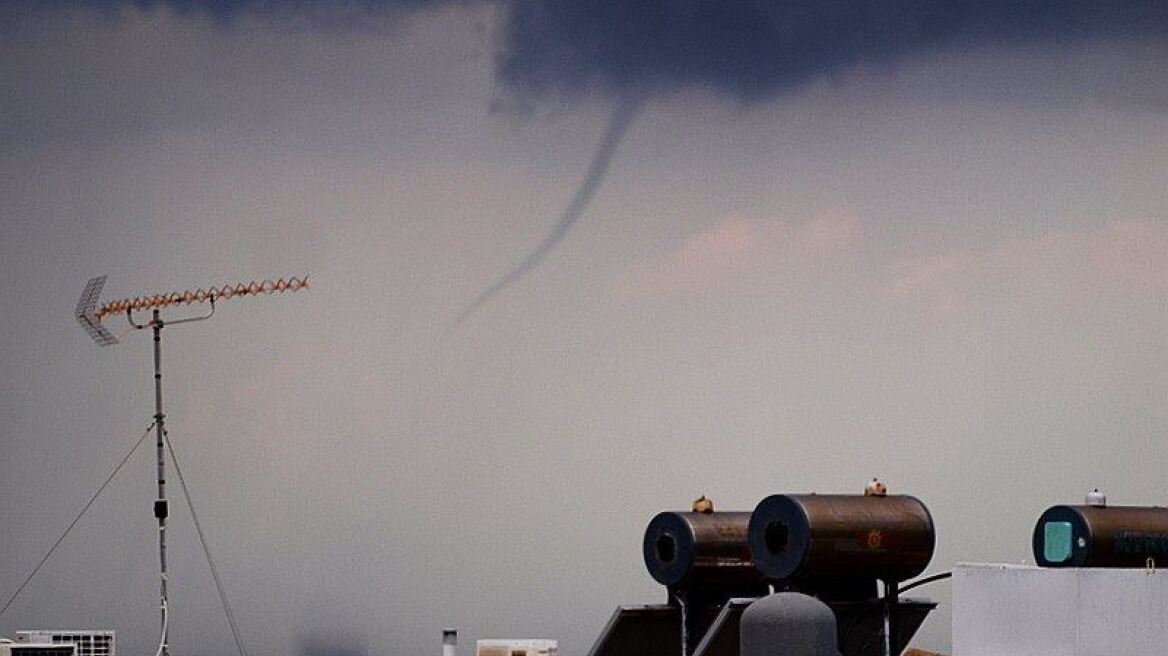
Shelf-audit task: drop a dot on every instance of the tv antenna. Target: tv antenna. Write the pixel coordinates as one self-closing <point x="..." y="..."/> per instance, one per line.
<point x="90" y="316"/>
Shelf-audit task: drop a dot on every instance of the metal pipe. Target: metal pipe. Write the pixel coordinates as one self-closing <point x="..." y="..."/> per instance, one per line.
<point x="161" y="509"/>
<point x="891" y="625"/>
<point x="449" y="641"/>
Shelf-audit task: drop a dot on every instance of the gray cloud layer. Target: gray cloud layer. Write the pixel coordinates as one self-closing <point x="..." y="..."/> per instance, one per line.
<point x="748" y="49"/>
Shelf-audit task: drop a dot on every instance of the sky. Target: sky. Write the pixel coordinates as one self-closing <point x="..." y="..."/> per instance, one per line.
<point x="572" y="264"/>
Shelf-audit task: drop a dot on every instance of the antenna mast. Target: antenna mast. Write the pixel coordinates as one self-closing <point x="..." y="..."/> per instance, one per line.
<point x="90" y="317"/>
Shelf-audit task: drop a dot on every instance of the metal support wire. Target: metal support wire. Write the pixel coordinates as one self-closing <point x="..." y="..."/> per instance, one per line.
<point x="76" y="519"/>
<point x="206" y="550"/>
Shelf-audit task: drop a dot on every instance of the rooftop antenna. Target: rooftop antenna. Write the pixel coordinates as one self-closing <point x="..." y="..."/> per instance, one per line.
<point x="90" y="316"/>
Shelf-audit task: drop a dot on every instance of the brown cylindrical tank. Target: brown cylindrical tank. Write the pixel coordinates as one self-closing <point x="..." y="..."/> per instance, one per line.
<point x="699" y="549"/>
<point x="839" y="536"/>
<point x="1101" y="536"/>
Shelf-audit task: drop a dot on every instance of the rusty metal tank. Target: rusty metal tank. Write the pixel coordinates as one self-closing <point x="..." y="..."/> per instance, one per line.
<point x="1101" y="536"/>
<point x="841" y="537"/>
<point x="700" y="549"/>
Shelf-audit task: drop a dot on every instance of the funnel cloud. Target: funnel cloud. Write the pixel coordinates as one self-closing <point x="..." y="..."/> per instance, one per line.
<point x="618" y="124"/>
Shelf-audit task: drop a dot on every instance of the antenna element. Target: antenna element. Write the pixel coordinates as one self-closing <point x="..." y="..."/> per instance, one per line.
<point x="88" y="318"/>
<point x="212" y="294"/>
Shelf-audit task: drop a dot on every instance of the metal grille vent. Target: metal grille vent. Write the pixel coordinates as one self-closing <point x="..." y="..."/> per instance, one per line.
<point x="87" y="643"/>
<point x="42" y="650"/>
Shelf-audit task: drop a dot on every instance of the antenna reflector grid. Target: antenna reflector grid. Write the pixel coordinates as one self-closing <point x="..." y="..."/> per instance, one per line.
<point x="86" y="314"/>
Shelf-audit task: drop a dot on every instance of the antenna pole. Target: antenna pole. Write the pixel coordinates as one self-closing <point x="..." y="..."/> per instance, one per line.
<point x="90" y="317"/>
<point x="160" y="505"/>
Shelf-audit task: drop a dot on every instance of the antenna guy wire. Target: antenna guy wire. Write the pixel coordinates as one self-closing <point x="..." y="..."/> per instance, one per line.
<point x="206" y="550"/>
<point x="76" y="519"/>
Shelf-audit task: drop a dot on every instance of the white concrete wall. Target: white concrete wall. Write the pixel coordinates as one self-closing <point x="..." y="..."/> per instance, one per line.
<point x="1010" y="610"/>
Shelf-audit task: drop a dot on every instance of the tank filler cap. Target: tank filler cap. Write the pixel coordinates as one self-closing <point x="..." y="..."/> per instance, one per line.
<point x="1096" y="498"/>
<point x="875" y="488"/>
<point x="702" y="505"/>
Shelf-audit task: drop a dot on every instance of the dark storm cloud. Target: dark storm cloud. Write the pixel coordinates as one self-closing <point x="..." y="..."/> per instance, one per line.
<point x="750" y="49"/>
<point x="755" y="49"/>
<point x="228" y="9"/>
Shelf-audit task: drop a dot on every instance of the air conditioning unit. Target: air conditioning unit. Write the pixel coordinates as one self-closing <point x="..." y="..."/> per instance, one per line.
<point x="88" y="643"/>
<point x="36" y="649"/>
<point x="516" y="648"/>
